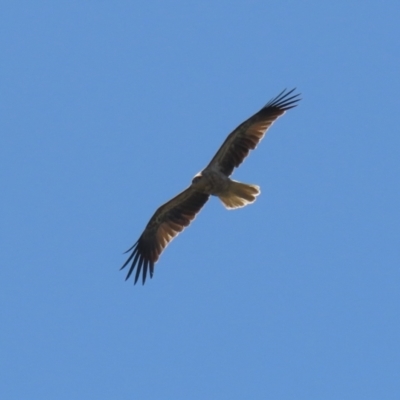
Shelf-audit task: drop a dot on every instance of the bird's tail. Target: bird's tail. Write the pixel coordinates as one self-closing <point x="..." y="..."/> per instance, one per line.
<point x="239" y="195"/>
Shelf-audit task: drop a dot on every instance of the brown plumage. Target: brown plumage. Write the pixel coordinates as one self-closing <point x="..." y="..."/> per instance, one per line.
<point x="172" y="217"/>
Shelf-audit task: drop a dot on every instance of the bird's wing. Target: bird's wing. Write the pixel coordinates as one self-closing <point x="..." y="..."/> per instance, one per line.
<point x="170" y="219"/>
<point x="248" y="134"/>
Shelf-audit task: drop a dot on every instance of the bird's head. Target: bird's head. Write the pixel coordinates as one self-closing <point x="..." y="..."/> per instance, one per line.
<point x="198" y="177"/>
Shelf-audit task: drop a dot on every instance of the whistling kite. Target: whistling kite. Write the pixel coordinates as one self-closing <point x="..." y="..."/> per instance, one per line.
<point x="172" y="217"/>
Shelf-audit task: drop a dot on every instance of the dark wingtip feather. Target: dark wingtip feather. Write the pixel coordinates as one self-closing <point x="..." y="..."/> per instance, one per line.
<point x="130" y="248"/>
<point x="139" y="269"/>
<point x="134" y="248"/>
<point x="134" y="257"/>
<point x="151" y="269"/>
<point x="133" y="265"/>
<point x="145" y="265"/>
<point x="283" y="101"/>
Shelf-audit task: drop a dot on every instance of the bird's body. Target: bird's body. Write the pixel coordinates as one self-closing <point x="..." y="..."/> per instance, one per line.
<point x="172" y="217"/>
<point x="211" y="181"/>
<point x="233" y="194"/>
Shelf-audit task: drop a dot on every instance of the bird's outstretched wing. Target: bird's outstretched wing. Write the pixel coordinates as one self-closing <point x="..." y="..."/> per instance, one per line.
<point x="248" y="134"/>
<point x="170" y="219"/>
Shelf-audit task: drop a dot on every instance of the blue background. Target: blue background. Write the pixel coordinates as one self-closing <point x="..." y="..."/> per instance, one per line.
<point x="107" y="111"/>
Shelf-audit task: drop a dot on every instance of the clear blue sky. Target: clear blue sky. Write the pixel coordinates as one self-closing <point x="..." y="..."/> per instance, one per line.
<point x="108" y="109"/>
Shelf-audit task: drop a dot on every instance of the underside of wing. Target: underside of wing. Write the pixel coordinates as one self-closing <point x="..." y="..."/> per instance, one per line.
<point x="167" y="222"/>
<point x="248" y="134"/>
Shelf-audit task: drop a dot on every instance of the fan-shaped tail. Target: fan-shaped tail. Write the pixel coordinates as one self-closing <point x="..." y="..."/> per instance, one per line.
<point x="239" y="195"/>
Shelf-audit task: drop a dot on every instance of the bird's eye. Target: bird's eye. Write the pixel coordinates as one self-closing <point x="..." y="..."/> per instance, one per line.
<point x="196" y="179"/>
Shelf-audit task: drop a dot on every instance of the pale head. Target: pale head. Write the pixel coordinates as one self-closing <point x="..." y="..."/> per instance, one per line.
<point x="197" y="178"/>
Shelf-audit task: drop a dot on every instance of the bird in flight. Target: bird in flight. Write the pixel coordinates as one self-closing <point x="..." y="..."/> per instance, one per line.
<point x="172" y="217"/>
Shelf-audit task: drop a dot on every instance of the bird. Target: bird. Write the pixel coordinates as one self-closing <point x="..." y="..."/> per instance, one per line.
<point x="172" y="217"/>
